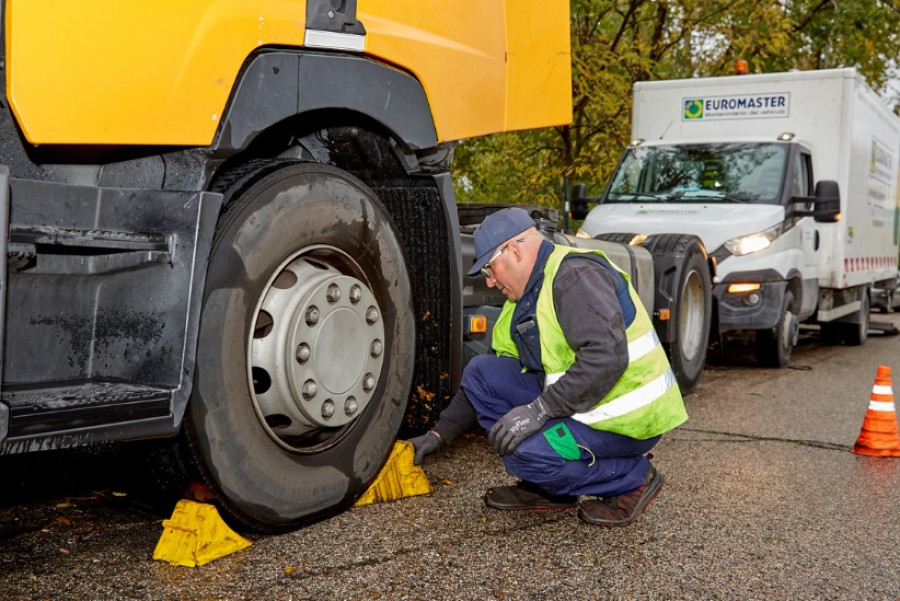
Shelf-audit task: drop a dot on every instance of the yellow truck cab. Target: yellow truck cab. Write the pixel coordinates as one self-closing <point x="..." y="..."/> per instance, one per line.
<point x="233" y="223"/>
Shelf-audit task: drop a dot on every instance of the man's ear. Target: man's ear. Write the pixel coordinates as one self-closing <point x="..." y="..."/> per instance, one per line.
<point x="517" y="249"/>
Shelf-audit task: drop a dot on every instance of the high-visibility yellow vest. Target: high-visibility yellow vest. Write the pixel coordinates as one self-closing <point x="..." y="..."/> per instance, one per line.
<point x="645" y="402"/>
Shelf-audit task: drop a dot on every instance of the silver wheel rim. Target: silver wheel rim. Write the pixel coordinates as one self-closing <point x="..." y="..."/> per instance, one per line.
<point x="787" y="331"/>
<point x="691" y="316"/>
<point x="316" y="350"/>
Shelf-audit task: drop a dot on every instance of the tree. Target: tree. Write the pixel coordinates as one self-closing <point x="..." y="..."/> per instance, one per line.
<point x="616" y="43"/>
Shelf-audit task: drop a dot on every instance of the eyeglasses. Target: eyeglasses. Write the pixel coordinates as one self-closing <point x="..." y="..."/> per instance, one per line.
<point x="485" y="271"/>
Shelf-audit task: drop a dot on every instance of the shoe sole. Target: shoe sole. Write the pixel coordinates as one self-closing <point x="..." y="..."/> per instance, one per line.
<point x="529" y="507"/>
<point x="651" y="493"/>
<point x="545" y="504"/>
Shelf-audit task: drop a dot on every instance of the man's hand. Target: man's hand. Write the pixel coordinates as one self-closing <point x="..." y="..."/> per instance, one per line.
<point x="426" y="444"/>
<point x="517" y="425"/>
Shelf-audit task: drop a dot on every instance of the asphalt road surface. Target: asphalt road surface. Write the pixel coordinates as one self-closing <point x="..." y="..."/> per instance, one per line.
<point x="763" y="500"/>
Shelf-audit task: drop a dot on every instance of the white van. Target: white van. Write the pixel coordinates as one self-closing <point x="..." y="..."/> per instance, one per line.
<point x="789" y="179"/>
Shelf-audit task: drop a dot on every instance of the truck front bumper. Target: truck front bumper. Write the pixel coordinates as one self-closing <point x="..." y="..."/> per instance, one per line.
<point x="758" y="309"/>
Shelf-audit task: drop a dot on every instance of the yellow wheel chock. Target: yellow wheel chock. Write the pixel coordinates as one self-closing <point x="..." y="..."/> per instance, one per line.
<point x="398" y="479"/>
<point x="195" y="535"/>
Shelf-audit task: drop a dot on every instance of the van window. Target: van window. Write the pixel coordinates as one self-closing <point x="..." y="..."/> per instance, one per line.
<point x="745" y="172"/>
<point x="802" y="185"/>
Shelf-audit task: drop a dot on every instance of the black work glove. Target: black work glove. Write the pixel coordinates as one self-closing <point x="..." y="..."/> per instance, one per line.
<point x="426" y="444"/>
<point x="517" y="425"/>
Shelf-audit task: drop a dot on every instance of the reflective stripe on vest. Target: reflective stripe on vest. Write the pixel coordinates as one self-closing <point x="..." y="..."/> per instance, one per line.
<point x="637" y="348"/>
<point x="631" y="401"/>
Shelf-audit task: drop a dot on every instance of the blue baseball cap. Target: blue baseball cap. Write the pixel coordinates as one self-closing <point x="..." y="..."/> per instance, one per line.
<point x="497" y="228"/>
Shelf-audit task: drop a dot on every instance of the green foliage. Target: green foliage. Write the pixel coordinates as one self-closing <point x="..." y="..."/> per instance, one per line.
<point x="616" y="43"/>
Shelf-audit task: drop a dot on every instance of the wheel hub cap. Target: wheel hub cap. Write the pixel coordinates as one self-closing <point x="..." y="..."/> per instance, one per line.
<point x="317" y="350"/>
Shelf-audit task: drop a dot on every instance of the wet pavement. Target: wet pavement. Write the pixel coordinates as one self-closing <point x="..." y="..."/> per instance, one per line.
<point x="763" y="500"/>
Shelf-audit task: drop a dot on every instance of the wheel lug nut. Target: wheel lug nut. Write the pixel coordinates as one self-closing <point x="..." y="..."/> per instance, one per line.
<point x="355" y="294"/>
<point x="351" y="406"/>
<point x="312" y="316"/>
<point x="377" y="348"/>
<point x="303" y="353"/>
<point x="309" y="389"/>
<point x="372" y="315"/>
<point x="328" y="409"/>
<point x="368" y="382"/>
<point x="334" y="293"/>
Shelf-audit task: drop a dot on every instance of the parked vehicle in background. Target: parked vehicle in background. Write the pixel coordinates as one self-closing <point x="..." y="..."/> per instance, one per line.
<point x="886" y="295"/>
<point x="791" y="182"/>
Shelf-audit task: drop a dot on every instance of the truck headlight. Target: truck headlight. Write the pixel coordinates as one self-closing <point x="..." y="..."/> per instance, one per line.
<point x="753" y="243"/>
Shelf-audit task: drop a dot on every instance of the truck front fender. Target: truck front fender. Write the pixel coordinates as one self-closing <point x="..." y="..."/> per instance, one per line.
<point x="277" y="85"/>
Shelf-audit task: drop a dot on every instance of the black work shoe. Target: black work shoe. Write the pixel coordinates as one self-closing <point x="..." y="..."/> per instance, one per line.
<point x="525" y="495"/>
<point x="622" y="509"/>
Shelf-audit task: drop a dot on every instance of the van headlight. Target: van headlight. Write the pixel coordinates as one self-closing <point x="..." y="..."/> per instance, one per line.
<point x="753" y="243"/>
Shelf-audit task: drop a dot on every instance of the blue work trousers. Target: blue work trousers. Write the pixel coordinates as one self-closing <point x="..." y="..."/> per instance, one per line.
<point x="610" y="464"/>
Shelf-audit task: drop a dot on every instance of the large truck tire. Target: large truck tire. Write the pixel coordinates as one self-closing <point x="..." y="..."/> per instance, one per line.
<point x="684" y="286"/>
<point x="775" y="345"/>
<point x="305" y="350"/>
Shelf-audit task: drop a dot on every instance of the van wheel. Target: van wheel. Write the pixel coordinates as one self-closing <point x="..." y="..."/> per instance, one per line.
<point x="305" y="350"/>
<point x="774" y="346"/>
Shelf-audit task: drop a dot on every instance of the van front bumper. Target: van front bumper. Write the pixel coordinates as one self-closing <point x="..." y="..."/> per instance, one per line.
<point x="758" y="309"/>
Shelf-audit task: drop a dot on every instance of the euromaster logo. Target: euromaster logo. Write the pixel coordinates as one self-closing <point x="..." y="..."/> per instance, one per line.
<point x="738" y="106"/>
<point x="693" y="108"/>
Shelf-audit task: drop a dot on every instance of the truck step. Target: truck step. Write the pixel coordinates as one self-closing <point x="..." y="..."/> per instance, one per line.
<point x="71" y="406"/>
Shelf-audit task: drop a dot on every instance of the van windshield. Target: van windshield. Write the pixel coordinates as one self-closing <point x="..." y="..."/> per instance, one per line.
<point x="706" y="173"/>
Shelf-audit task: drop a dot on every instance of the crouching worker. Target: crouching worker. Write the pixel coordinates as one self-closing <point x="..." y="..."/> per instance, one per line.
<point x="580" y="388"/>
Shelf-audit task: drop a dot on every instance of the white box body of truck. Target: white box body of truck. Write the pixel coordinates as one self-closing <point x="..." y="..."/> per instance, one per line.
<point x="710" y="159"/>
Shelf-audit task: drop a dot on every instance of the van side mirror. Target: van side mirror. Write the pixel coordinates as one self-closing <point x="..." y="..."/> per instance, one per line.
<point x="578" y="204"/>
<point x="826" y="202"/>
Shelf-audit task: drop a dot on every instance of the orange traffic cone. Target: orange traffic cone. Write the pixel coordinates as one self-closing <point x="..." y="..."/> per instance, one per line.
<point x="878" y="436"/>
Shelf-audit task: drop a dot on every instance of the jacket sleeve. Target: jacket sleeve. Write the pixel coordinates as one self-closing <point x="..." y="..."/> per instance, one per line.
<point x="456" y="418"/>
<point x="588" y="311"/>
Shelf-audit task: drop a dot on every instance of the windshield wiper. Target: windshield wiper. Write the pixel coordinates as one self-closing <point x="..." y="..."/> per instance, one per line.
<point x="682" y="197"/>
<point x="628" y="197"/>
